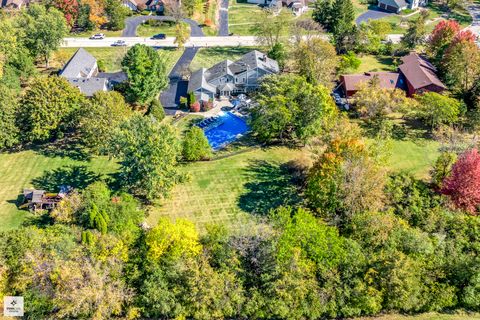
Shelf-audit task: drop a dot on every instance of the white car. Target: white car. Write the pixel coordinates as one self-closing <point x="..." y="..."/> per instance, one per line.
<point x="98" y="36"/>
<point x="119" y="43"/>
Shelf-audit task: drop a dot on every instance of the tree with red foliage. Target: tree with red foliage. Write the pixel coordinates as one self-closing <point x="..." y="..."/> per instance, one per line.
<point x="195" y="107"/>
<point x="441" y="37"/>
<point x="69" y="9"/>
<point x="463" y="185"/>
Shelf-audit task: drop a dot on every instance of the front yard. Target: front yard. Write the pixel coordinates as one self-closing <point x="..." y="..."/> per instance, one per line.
<point x="153" y="27"/>
<point x="242" y="16"/>
<point x="111" y="58"/>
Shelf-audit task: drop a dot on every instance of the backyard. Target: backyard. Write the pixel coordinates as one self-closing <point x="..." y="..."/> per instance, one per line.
<point x="370" y="63"/>
<point x="24" y="169"/>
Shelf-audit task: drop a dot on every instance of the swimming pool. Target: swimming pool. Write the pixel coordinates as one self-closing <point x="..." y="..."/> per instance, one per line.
<point x="227" y="132"/>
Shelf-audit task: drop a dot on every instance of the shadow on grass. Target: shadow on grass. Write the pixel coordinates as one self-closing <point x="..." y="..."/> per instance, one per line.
<point x="65" y="148"/>
<point x="78" y="177"/>
<point x="272" y="186"/>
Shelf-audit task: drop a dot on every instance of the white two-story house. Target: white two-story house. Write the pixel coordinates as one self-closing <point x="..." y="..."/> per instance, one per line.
<point x="232" y="77"/>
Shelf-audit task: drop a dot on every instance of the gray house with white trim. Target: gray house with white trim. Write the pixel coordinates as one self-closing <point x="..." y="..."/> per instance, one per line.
<point x="232" y="77"/>
<point x="82" y="72"/>
<point x="399" y="5"/>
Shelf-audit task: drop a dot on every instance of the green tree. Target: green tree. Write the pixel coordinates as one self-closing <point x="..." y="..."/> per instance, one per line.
<point x="323" y="13"/>
<point x="436" y="109"/>
<point x="272" y="28"/>
<point x="349" y="63"/>
<point x="279" y="53"/>
<point x="43" y="30"/>
<point x="290" y="110"/>
<point x="195" y="145"/>
<point x="48" y="108"/>
<point x="156" y="110"/>
<point x="316" y="60"/>
<point x="146" y="74"/>
<point x="99" y="117"/>
<point x="9" y="133"/>
<point x="182" y="34"/>
<point x="416" y="31"/>
<point x="116" y="14"/>
<point x="148" y="151"/>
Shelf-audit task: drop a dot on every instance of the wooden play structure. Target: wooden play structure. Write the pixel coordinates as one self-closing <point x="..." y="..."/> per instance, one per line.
<point x="40" y="199"/>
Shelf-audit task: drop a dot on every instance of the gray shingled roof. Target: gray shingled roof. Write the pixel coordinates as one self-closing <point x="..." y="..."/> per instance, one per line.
<point x="89" y="86"/>
<point x="218" y="70"/>
<point x="255" y="59"/>
<point x="79" y="65"/>
<point x="197" y="80"/>
<point x="395" y="3"/>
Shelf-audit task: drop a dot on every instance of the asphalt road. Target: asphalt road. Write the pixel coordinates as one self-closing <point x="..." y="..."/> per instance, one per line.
<point x="132" y="23"/>
<point x="223" y="21"/>
<point x="474" y="10"/>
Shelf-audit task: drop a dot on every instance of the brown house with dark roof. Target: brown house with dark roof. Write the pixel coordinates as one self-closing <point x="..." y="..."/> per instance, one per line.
<point x="420" y="75"/>
<point x="351" y="83"/>
<point x="416" y="75"/>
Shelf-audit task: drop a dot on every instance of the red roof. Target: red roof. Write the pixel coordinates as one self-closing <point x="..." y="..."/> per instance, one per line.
<point x="419" y="72"/>
<point x="387" y="80"/>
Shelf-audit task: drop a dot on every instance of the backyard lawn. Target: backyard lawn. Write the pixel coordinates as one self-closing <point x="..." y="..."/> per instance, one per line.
<point x="111" y="58"/>
<point x="375" y="63"/>
<point x="426" y="316"/>
<point x="20" y="170"/>
<point x="207" y="57"/>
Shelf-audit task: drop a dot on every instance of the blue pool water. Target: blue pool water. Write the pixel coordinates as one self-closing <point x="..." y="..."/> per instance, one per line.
<point x="226" y="132"/>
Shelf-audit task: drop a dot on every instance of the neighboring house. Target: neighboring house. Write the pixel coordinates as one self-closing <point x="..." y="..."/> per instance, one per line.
<point x="230" y="78"/>
<point x="82" y="72"/>
<point x="297" y="6"/>
<point x="351" y="83"/>
<point x="13" y="4"/>
<point x="399" y="5"/>
<point x="415" y="75"/>
<point x="420" y="75"/>
<point x="137" y="5"/>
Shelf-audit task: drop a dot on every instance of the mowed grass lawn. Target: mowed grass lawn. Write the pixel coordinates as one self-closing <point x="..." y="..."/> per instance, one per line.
<point x="242" y="17"/>
<point x="155" y="27"/>
<point x="111" y="58"/>
<point x="413" y="156"/>
<point x="426" y="316"/>
<point x="207" y="57"/>
<point x="230" y="190"/>
<point x="375" y="63"/>
<point x="18" y="171"/>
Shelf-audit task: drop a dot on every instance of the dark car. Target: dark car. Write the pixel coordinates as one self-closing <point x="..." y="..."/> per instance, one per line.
<point x="159" y="36"/>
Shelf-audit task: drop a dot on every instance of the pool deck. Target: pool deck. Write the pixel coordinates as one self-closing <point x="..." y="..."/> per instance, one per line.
<point x="217" y="107"/>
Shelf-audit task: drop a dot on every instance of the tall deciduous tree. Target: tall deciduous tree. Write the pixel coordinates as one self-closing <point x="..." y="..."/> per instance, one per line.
<point x="461" y="62"/>
<point x="48" y="107"/>
<point x="8" y="109"/>
<point x="69" y="9"/>
<point x="182" y="34"/>
<point x="316" y="60"/>
<point x="146" y="73"/>
<point x="43" y="30"/>
<point x="441" y="37"/>
<point x="99" y="117"/>
<point x="416" y="31"/>
<point x="289" y="109"/>
<point x="148" y="151"/>
<point x="436" y="109"/>
<point x="272" y="28"/>
<point x="463" y="184"/>
<point x="116" y="13"/>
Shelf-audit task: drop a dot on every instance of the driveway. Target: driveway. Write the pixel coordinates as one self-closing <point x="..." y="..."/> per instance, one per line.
<point x="474" y="10"/>
<point x="372" y="15"/>
<point x="177" y="87"/>
<point x="132" y="23"/>
<point x="223" y="21"/>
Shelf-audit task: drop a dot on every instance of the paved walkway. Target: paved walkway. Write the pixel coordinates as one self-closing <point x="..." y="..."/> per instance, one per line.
<point x="223" y="21"/>
<point x="372" y="15"/>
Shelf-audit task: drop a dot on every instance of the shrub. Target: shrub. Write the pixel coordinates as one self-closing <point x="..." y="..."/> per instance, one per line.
<point x="195" y="107"/>
<point x="208" y="22"/>
<point x="155" y="109"/>
<point x="195" y="145"/>
<point x="183" y="102"/>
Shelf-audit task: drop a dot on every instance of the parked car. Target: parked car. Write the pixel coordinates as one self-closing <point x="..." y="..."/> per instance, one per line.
<point x="159" y="36"/>
<point x="98" y="36"/>
<point x="119" y="43"/>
